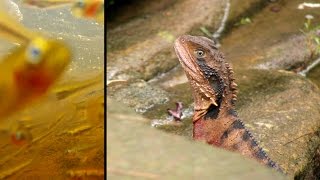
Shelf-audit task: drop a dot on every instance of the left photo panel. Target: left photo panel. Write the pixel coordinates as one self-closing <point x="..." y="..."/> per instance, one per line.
<point x="52" y="89"/>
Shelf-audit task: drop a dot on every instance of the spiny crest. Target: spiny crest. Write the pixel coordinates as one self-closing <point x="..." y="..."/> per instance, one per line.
<point x="260" y="152"/>
<point x="207" y="92"/>
<point x="233" y="85"/>
<point x="264" y="155"/>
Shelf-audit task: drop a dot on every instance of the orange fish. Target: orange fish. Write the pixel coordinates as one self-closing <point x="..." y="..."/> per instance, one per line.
<point x="90" y="9"/>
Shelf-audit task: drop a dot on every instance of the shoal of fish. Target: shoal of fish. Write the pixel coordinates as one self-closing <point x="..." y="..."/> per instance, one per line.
<point x="28" y="71"/>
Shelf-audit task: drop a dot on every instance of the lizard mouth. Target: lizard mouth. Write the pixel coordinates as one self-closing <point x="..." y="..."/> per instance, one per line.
<point x="184" y="57"/>
<point x="192" y="69"/>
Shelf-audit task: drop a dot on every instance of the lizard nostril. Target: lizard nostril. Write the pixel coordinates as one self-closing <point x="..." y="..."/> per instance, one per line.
<point x="183" y="38"/>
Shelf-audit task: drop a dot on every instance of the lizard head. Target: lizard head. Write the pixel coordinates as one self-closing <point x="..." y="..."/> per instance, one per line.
<point x="211" y="78"/>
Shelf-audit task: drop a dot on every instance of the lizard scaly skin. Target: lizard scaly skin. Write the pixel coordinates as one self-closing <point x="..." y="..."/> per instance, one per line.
<point x="215" y="120"/>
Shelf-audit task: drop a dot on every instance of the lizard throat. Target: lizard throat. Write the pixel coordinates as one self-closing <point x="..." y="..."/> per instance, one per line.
<point x="213" y="111"/>
<point x="216" y="85"/>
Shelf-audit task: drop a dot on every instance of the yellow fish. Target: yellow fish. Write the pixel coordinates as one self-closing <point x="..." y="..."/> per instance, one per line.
<point x="90" y="9"/>
<point x="30" y="69"/>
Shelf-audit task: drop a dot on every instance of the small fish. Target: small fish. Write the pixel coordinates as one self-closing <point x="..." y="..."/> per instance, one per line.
<point x="93" y="9"/>
<point x="20" y="135"/>
<point x="29" y="70"/>
<point x="90" y="9"/>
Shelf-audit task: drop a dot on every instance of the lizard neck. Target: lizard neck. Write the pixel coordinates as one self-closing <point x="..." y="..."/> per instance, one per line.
<point x="223" y="94"/>
<point x="229" y="132"/>
<point x="211" y="126"/>
<point x="220" y="126"/>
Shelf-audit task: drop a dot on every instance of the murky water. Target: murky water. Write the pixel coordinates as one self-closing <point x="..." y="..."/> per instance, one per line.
<point x="66" y="126"/>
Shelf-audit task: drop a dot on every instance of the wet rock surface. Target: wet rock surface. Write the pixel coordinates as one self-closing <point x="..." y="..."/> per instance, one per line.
<point x="147" y="153"/>
<point x="280" y="107"/>
<point x="249" y="45"/>
<point x="312" y="170"/>
<point x="314" y="75"/>
<point x="132" y="45"/>
<point x="293" y="54"/>
<point x="138" y="95"/>
<point x="282" y="110"/>
<point x="132" y="51"/>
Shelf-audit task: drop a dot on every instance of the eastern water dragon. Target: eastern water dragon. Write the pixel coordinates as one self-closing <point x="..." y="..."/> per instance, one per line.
<point x="215" y="120"/>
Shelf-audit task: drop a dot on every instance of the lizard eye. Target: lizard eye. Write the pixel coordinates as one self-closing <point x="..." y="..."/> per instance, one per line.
<point x="199" y="53"/>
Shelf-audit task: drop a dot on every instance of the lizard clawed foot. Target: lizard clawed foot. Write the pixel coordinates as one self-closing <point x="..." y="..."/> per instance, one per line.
<point x="176" y="113"/>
